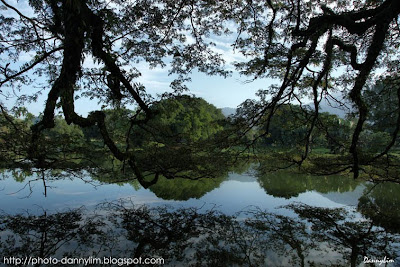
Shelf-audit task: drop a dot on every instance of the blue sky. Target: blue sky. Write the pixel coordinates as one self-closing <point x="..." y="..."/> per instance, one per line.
<point x="219" y="91"/>
<point x="229" y="92"/>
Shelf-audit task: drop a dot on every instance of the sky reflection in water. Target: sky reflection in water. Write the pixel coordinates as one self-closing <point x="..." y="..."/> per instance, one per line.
<point x="236" y="193"/>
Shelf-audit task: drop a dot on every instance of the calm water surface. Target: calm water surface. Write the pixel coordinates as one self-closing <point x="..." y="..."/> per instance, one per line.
<point x="246" y="218"/>
<point x="235" y="193"/>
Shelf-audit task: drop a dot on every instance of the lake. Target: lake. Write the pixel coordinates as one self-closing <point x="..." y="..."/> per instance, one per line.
<point x="246" y="217"/>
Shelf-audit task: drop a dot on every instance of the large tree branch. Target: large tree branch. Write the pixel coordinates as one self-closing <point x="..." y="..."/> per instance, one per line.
<point x="355" y="94"/>
<point x="73" y="46"/>
<point x="350" y="49"/>
<point x="97" y="33"/>
<point x="354" y="22"/>
<point x="325" y="70"/>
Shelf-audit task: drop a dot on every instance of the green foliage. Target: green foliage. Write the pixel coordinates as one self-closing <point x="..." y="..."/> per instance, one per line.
<point x="14" y="134"/>
<point x="118" y="122"/>
<point x="63" y="141"/>
<point x="336" y="132"/>
<point x="374" y="142"/>
<point x="187" y="119"/>
<point x="177" y="120"/>
<point x="382" y="100"/>
<point x="287" y="128"/>
<point x="313" y="50"/>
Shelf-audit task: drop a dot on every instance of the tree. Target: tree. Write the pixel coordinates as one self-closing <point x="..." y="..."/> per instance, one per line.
<point x="63" y="141"/>
<point x="337" y="132"/>
<point x="186" y="119"/>
<point x="304" y="44"/>
<point x="287" y="127"/>
<point x="382" y="100"/>
<point x="14" y="134"/>
<point x="317" y="50"/>
<point x="60" y="35"/>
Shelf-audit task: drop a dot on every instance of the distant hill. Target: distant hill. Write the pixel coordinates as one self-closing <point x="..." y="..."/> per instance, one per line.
<point x="332" y="107"/>
<point x="243" y="178"/>
<point x="228" y="111"/>
<point x="349" y="198"/>
<point x="325" y="106"/>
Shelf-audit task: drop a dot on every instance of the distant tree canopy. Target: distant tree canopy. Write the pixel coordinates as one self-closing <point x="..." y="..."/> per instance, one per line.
<point x="336" y="50"/>
<point x="382" y="100"/>
<point x="177" y="120"/>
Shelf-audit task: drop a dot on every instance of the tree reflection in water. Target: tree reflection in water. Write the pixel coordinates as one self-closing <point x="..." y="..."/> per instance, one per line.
<point x="194" y="237"/>
<point x="289" y="183"/>
<point x="382" y="205"/>
<point x="49" y="235"/>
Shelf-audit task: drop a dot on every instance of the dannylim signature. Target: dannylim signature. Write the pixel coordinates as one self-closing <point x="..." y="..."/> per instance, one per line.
<point x="380" y="261"/>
